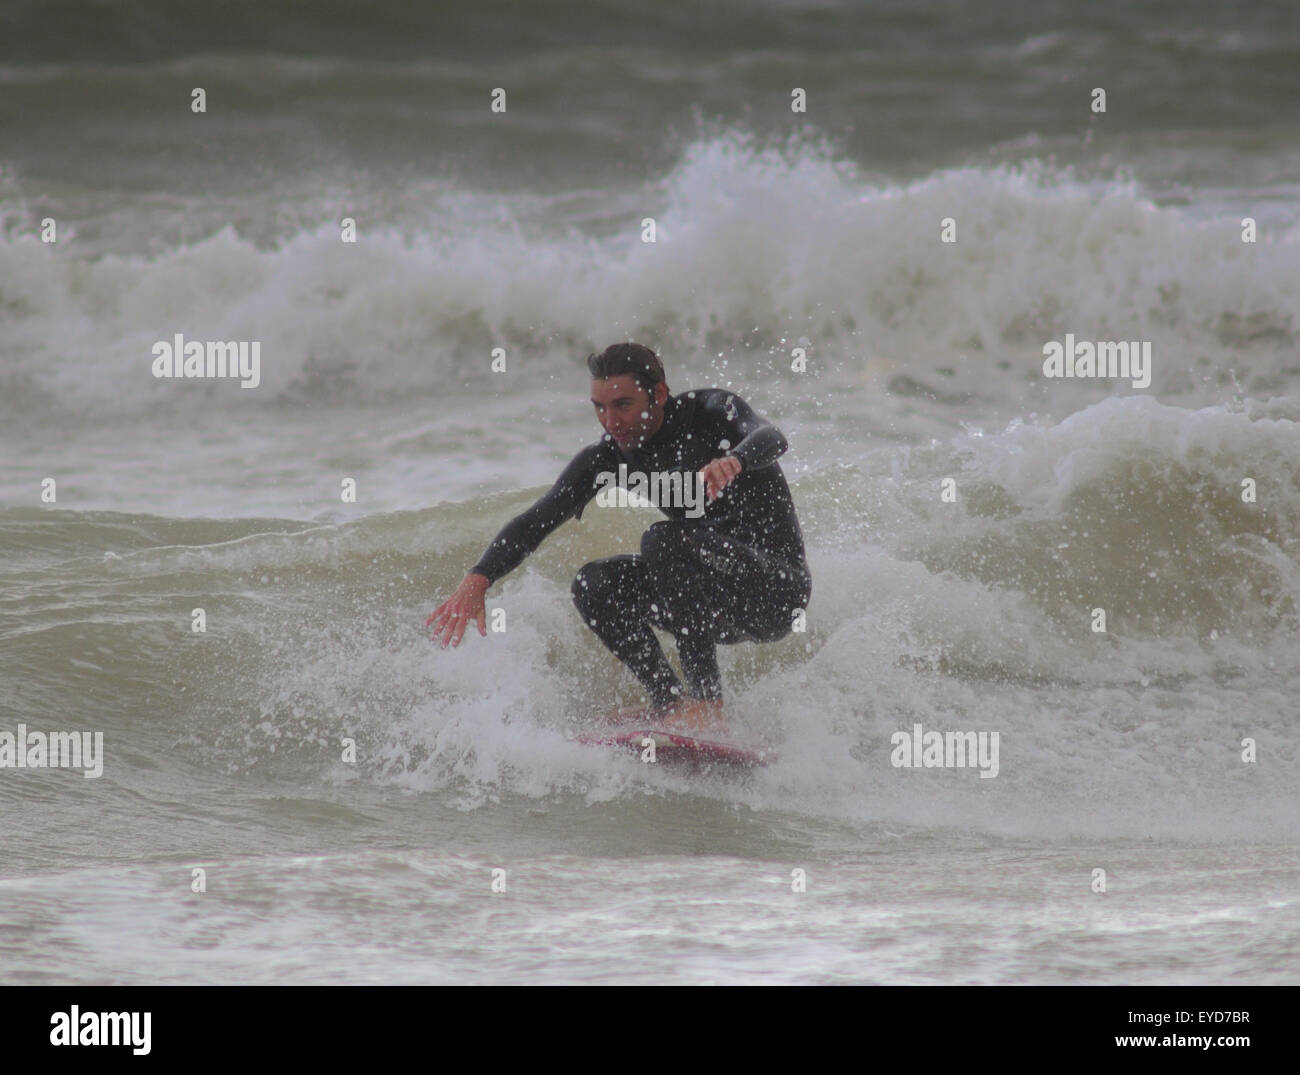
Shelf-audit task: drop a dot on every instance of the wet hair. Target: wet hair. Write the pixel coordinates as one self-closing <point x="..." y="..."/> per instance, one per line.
<point x="620" y="358"/>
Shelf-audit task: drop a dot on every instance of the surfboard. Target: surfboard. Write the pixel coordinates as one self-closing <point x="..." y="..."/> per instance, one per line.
<point x="679" y="751"/>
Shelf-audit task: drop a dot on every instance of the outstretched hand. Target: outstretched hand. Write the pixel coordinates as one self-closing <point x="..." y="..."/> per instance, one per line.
<point x="718" y="474"/>
<point x="454" y="615"/>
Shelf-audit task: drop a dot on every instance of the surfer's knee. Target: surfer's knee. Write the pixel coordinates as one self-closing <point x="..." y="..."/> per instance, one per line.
<point x="766" y="619"/>
<point x="652" y="541"/>
<point x="662" y="541"/>
<point x="586" y="584"/>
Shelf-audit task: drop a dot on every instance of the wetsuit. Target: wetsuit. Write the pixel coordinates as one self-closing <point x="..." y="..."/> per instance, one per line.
<point x="734" y="574"/>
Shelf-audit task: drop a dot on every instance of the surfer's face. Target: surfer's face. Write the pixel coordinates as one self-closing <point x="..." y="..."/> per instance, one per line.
<point x="626" y="411"/>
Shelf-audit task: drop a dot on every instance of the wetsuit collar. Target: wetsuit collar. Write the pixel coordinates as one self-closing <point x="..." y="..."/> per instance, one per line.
<point x="667" y="428"/>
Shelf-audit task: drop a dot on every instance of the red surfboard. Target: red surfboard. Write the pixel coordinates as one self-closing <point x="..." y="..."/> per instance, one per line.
<point x="679" y="750"/>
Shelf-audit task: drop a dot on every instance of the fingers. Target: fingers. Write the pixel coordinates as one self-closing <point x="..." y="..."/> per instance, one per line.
<point x="438" y="613"/>
<point x="717" y="475"/>
<point x="439" y="620"/>
<point x="446" y="628"/>
<point x="712" y="484"/>
<point x="450" y="622"/>
<point x="444" y="622"/>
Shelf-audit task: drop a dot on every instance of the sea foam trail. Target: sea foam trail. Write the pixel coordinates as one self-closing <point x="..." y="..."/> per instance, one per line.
<point x="971" y="615"/>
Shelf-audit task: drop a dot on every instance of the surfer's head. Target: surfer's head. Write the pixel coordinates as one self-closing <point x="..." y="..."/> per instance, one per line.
<point x="629" y="392"/>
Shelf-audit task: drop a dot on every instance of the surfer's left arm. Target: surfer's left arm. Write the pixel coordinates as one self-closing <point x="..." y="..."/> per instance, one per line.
<point x="758" y="443"/>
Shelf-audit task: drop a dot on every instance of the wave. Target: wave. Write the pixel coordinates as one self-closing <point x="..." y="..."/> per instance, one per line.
<point x="758" y="251"/>
<point x="970" y="614"/>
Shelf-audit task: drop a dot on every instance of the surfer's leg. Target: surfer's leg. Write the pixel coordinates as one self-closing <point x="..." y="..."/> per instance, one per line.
<point x="701" y="586"/>
<point x="710" y="588"/>
<point x="685" y="602"/>
<point x="699" y="657"/>
<point x="751" y="594"/>
<point x="616" y="599"/>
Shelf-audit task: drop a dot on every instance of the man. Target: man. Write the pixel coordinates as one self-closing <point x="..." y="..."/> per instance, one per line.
<point x="735" y="571"/>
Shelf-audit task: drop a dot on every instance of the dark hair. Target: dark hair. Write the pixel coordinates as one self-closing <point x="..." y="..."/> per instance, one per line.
<point x="620" y="358"/>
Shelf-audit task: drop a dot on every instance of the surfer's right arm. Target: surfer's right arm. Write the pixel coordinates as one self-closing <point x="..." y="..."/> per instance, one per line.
<point x="575" y="486"/>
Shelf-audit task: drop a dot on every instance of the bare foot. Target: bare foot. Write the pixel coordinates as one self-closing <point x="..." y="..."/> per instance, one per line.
<point x="691" y="716"/>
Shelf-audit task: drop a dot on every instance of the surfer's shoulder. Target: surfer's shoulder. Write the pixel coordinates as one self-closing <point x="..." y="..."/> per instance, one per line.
<point x="718" y="401"/>
<point x="598" y="453"/>
<point x="711" y="397"/>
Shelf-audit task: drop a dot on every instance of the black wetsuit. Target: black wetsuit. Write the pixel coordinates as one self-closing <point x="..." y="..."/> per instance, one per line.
<point x="734" y="574"/>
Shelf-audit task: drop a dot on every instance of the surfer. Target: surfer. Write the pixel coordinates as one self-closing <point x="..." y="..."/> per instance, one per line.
<point x="735" y="572"/>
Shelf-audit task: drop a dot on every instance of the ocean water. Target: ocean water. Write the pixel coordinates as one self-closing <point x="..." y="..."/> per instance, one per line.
<point x="1119" y="750"/>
